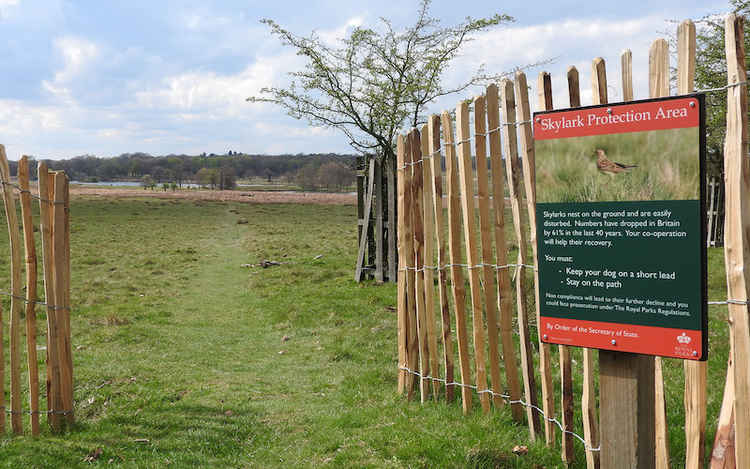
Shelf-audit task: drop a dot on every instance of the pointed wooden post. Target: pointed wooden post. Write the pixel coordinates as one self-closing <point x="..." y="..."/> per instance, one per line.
<point x="626" y="380"/>
<point x="736" y="242"/>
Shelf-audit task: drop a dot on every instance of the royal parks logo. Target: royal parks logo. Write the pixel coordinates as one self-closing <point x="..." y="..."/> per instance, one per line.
<point x="684" y="339"/>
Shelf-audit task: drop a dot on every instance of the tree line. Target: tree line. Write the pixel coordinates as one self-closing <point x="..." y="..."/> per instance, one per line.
<point x="309" y="171"/>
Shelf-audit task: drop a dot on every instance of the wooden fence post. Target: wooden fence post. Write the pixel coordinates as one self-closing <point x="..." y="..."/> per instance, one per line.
<point x="658" y="64"/>
<point x="485" y="224"/>
<point x="378" y="220"/>
<point x="695" y="372"/>
<point x="31" y="292"/>
<point x="526" y="145"/>
<point x="588" y="397"/>
<point x="626" y="380"/>
<point x="436" y="186"/>
<point x="404" y="194"/>
<point x="512" y="171"/>
<point x="417" y="210"/>
<point x="16" y="300"/>
<point x="429" y="257"/>
<point x="504" y="293"/>
<point x="736" y="242"/>
<point x="466" y="182"/>
<point x="54" y="398"/>
<point x="454" y="249"/>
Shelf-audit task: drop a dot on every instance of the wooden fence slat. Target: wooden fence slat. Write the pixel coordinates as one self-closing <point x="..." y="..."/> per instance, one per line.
<point x="429" y="257"/>
<point x="378" y="220"/>
<point x="722" y="454"/>
<point x="544" y="92"/>
<point x="526" y="148"/>
<point x="737" y="226"/>
<point x="418" y="227"/>
<point x="437" y="195"/>
<point x="512" y="171"/>
<point x="364" y="239"/>
<point x="505" y="298"/>
<point x="588" y="406"/>
<point x="588" y="396"/>
<point x="695" y="372"/>
<point x="485" y="224"/>
<point x="391" y="186"/>
<point x="31" y="293"/>
<point x="466" y="182"/>
<point x="454" y="251"/>
<point x="54" y="400"/>
<point x="626" y="62"/>
<point x="658" y="61"/>
<point x="63" y="342"/>
<point x="402" y="300"/>
<point x="70" y="417"/>
<point x="16" y="289"/>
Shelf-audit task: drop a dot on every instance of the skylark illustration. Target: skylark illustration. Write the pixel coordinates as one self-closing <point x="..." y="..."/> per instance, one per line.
<point x="609" y="167"/>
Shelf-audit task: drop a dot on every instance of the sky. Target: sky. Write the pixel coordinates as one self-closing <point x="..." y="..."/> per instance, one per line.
<point x="171" y="77"/>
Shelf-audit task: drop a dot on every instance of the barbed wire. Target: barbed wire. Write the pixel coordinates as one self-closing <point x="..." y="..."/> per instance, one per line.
<point x="508" y="400"/>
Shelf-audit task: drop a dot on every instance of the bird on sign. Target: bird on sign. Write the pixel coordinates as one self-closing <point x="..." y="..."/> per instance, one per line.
<point x="607" y="166"/>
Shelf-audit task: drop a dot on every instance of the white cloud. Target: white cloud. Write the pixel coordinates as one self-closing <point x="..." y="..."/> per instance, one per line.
<point x="77" y="55"/>
<point x="568" y="42"/>
<point x="332" y="37"/>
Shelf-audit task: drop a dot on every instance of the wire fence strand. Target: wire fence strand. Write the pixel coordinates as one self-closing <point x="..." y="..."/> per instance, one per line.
<point x="508" y="400"/>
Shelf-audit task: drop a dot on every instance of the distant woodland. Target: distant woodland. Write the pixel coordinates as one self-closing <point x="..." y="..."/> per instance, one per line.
<point x="328" y="171"/>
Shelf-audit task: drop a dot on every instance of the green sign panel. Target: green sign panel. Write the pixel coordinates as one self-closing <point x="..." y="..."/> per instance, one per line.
<point x="620" y="227"/>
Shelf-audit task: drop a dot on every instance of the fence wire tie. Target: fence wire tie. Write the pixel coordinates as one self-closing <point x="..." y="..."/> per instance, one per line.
<point x="508" y="400"/>
<point x="723" y="88"/>
<point x="36" y="302"/>
<point x="730" y="302"/>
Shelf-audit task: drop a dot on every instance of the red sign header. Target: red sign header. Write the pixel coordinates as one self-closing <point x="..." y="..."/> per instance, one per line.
<point x="618" y="118"/>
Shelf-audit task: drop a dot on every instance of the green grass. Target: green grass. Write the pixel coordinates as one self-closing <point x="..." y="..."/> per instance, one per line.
<point x="216" y="365"/>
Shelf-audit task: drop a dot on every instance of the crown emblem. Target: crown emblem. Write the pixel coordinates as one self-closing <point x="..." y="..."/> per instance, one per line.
<point x="684" y="339"/>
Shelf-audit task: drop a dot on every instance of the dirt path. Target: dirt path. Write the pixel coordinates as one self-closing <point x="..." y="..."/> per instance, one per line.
<point x="258" y="197"/>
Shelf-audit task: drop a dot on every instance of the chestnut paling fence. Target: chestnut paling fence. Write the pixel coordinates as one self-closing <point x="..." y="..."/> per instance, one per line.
<point x="451" y="225"/>
<point x="54" y="229"/>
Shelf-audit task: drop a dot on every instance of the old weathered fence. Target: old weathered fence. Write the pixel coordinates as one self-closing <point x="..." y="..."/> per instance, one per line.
<point x="54" y="232"/>
<point x="376" y="219"/>
<point x="435" y="256"/>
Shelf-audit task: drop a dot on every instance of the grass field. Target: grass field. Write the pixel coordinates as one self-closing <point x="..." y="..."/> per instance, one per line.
<point x="183" y="358"/>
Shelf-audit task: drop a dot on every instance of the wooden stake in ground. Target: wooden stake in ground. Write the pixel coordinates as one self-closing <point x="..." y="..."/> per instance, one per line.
<point x="504" y="293"/>
<point x="31" y="292"/>
<point x="591" y="422"/>
<point x="418" y="224"/>
<point x="526" y="145"/>
<point x="365" y="228"/>
<point x="512" y="172"/>
<point x="404" y="193"/>
<point x="722" y="455"/>
<point x="429" y="257"/>
<point x="454" y="249"/>
<point x="437" y="195"/>
<point x="16" y="300"/>
<point x="63" y="343"/>
<point x="658" y="62"/>
<point x="54" y="398"/>
<point x="626" y="380"/>
<point x="695" y="372"/>
<point x="412" y="342"/>
<point x="485" y="224"/>
<point x="736" y="242"/>
<point x="626" y="60"/>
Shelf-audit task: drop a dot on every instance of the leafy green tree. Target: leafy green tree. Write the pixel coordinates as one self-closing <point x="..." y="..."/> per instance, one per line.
<point x="147" y="181"/>
<point x="375" y="81"/>
<point x="711" y="72"/>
